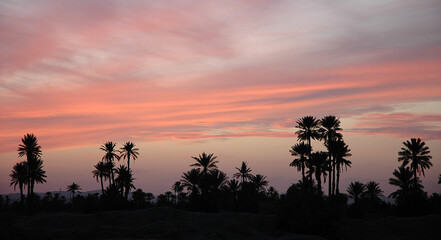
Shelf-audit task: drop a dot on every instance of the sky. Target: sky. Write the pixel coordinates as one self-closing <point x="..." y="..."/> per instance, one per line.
<point x="179" y="78"/>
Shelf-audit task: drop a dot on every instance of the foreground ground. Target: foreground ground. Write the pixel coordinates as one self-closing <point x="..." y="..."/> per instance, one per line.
<point x="170" y="223"/>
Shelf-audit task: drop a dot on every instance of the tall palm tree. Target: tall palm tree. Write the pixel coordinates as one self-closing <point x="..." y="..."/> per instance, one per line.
<point x="205" y="162"/>
<point x="301" y="150"/>
<point x="124" y="180"/>
<point x="73" y="188"/>
<point x="319" y="166"/>
<point x="19" y="176"/>
<point x="404" y="180"/>
<point x="329" y="132"/>
<point x="244" y="172"/>
<point x="32" y="150"/>
<point x="416" y="153"/>
<point x="100" y="173"/>
<point x="110" y="169"/>
<point x="36" y="174"/>
<point x="110" y="155"/>
<point x="217" y="179"/>
<point x="177" y="188"/>
<point x="372" y="191"/>
<point x="308" y="129"/>
<point x="128" y="150"/>
<point x="355" y="190"/>
<point x="340" y="151"/>
<point x="233" y="187"/>
<point x="259" y="182"/>
<point x="191" y="179"/>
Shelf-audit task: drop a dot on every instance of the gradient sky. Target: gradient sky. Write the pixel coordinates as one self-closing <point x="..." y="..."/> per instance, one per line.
<point x="231" y="77"/>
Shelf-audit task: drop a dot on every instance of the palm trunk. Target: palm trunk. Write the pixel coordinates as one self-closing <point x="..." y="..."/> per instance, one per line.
<point x="415" y="179"/>
<point x="309" y="156"/>
<point x="337" y="191"/>
<point x="333" y="175"/>
<point x="102" y="186"/>
<point x="128" y="162"/>
<point x="319" y="182"/>
<point x="330" y="175"/>
<point x="303" y="168"/>
<point x="21" y="194"/>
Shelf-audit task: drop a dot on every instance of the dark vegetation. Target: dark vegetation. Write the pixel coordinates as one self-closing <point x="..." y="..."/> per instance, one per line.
<point x="303" y="208"/>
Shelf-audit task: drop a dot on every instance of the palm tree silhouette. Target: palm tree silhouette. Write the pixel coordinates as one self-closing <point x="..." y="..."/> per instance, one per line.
<point x="417" y="154"/>
<point x="19" y="176"/>
<point x="73" y="188"/>
<point x="32" y="151"/>
<point x="328" y="131"/>
<point x="100" y="173"/>
<point x="124" y="180"/>
<point x="233" y="187"/>
<point x="205" y="162"/>
<point x="191" y="180"/>
<point x="372" y="191"/>
<point x="302" y="150"/>
<point x="340" y="150"/>
<point x="128" y="150"/>
<point x="244" y="172"/>
<point x="109" y="156"/>
<point x="404" y="180"/>
<point x="355" y="190"/>
<point x="259" y="182"/>
<point x="308" y="129"/>
<point x="217" y="179"/>
<point x="319" y="165"/>
<point x="36" y="173"/>
<point x="177" y="188"/>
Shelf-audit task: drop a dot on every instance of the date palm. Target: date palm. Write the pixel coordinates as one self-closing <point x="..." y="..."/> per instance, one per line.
<point x="329" y="132"/>
<point x="319" y="166"/>
<point x="232" y="186"/>
<point x="301" y="150"/>
<point x="355" y="190"/>
<point x="129" y="151"/>
<point x="177" y="188"/>
<point x="372" y="191"/>
<point x="404" y="180"/>
<point x="19" y="176"/>
<point x="36" y="174"/>
<point x="191" y="179"/>
<point x="244" y="172"/>
<point x="73" y="188"/>
<point x="110" y="155"/>
<point x="341" y="151"/>
<point x="205" y="162"/>
<point x="100" y="173"/>
<point x="32" y="150"/>
<point x="308" y="129"/>
<point x="259" y="182"/>
<point x="416" y="154"/>
<point x="217" y="179"/>
<point x="124" y="180"/>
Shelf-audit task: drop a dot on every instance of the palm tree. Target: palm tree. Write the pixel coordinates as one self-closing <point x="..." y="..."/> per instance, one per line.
<point x="301" y="150"/>
<point x="32" y="151"/>
<point x="205" y="162"/>
<point x="36" y="173"/>
<point x="149" y="197"/>
<point x="417" y="154"/>
<point x="259" y="182"/>
<point x="244" y="172"/>
<point x="110" y="155"/>
<point x="341" y="151"/>
<point x="19" y="176"/>
<point x="177" y="188"/>
<point x="404" y="180"/>
<point x="328" y="131"/>
<point x="124" y="180"/>
<point x="73" y="188"/>
<point x="355" y="190"/>
<point x="217" y="179"/>
<point x="128" y="150"/>
<point x="372" y="191"/>
<point x="110" y="169"/>
<point x="233" y="187"/>
<point x="191" y="180"/>
<point x="319" y="165"/>
<point x="308" y="129"/>
<point x="100" y="173"/>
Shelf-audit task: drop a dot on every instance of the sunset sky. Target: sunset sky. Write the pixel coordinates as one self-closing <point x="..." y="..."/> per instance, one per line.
<point x="225" y="77"/>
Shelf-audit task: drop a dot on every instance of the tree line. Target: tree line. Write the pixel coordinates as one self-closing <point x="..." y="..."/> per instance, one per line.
<point x="204" y="187"/>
